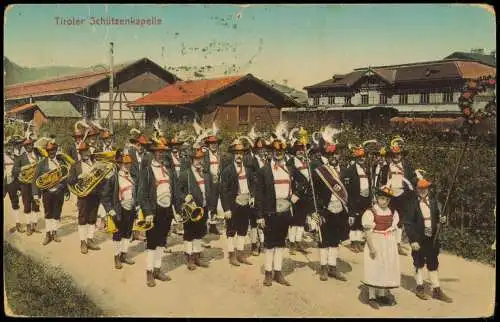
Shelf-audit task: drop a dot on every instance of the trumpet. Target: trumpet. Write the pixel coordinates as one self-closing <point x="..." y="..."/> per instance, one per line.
<point x="141" y="224"/>
<point x="52" y="178"/>
<point x="191" y="212"/>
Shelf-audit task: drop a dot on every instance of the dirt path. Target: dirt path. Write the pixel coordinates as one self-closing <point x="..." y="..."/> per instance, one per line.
<point x="224" y="291"/>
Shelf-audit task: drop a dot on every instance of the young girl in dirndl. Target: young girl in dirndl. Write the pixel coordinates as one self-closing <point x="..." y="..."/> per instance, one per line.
<point x="381" y="259"/>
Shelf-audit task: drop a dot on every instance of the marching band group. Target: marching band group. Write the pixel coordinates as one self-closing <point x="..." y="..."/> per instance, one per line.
<point x="274" y="188"/>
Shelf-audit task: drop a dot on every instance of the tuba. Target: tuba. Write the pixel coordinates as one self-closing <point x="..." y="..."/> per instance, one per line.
<point x="190" y="212"/>
<point x="140" y="224"/>
<point x="85" y="185"/>
<point x="52" y="178"/>
<point x="27" y="174"/>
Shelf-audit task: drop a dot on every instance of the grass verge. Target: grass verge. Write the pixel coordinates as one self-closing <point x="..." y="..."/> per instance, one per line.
<point x="37" y="290"/>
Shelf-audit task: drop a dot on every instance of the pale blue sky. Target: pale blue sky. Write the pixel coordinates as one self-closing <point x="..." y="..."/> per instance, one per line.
<point x="304" y="44"/>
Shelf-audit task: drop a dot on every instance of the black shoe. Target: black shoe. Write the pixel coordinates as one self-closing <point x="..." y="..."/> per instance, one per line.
<point x="118" y="262"/>
<point x="278" y="277"/>
<point x="150" y="280"/>
<point x="323" y="273"/>
<point x="333" y="272"/>
<point x="374" y="304"/>
<point x="91" y="244"/>
<point x="55" y="238"/>
<point x="159" y="275"/>
<point x="438" y="294"/>
<point x="268" y="280"/>
<point x="48" y="238"/>
<point x="83" y="247"/>
<point x="125" y="259"/>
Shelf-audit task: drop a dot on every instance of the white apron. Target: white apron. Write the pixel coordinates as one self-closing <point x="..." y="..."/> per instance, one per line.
<point x="384" y="270"/>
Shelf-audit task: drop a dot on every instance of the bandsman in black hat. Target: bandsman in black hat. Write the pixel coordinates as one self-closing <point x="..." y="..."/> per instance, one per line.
<point x="10" y="181"/>
<point x="256" y="158"/>
<point x="54" y="195"/>
<point x="158" y="197"/>
<point x="194" y="192"/>
<point x="120" y="201"/>
<point x="236" y="193"/>
<point x="421" y="226"/>
<point x="399" y="175"/>
<point x="274" y="194"/>
<point x="357" y="182"/>
<point x="31" y="204"/>
<point x="304" y="205"/>
<point x="87" y="206"/>
<point x="332" y="218"/>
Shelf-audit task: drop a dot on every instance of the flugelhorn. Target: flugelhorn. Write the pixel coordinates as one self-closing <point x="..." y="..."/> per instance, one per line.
<point x="141" y="224"/>
<point x="191" y="212"/>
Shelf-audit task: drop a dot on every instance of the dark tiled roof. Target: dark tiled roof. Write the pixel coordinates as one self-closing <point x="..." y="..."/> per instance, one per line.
<point x="482" y="58"/>
<point x="428" y="71"/>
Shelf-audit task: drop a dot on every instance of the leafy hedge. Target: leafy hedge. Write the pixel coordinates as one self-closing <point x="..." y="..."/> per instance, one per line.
<point x="36" y="290"/>
<point x="471" y="203"/>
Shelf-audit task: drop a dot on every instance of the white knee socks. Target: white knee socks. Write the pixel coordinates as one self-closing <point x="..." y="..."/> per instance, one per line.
<point x="323" y="256"/>
<point x="158" y="255"/>
<point x="371" y="293"/>
<point x="240" y="243"/>
<point x="332" y="256"/>
<point x="197" y="246"/>
<point x="253" y="235"/>
<point x="299" y="233"/>
<point x="188" y="245"/>
<point x="150" y="259"/>
<point x="278" y="258"/>
<point x="355" y="235"/>
<point x="124" y="245"/>
<point x="268" y="255"/>
<point x="116" y="246"/>
<point x="82" y="232"/>
<point x="230" y="244"/>
<point x="291" y="233"/>
<point x="260" y="233"/>
<point x="433" y="276"/>
<point x="90" y="231"/>
<point x="419" y="278"/>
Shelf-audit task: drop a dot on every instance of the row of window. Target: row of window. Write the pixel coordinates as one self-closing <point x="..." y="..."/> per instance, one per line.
<point x="403" y="99"/>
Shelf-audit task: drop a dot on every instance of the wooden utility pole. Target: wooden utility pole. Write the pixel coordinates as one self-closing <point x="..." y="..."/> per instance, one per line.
<point x="111" y="85"/>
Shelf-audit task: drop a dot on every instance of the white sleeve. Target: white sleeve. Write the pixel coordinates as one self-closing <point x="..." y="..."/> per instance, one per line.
<point x="367" y="220"/>
<point x="395" y="219"/>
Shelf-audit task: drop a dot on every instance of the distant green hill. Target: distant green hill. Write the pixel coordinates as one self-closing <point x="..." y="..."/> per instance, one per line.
<point x="15" y="74"/>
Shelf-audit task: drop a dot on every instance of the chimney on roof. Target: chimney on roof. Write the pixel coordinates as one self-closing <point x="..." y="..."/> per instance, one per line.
<point x="477" y="51"/>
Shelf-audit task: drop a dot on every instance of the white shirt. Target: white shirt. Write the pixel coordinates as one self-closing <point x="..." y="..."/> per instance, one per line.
<point x="242" y="179"/>
<point x="302" y="167"/>
<point x="324" y="160"/>
<point x="86" y="166"/>
<point x="260" y="161"/>
<point x="368" y="219"/>
<point x="177" y="164"/>
<point x="31" y="157"/>
<point x="364" y="189"/>
<point x="214" y="163"/>
<point x="53" y="164"/>
<point x="78" y="157"/>
<point x="335" y="205"/>
<point x="426" y="212"/>
<point x="281" y="181"/>
<point x="9" y="165"/>
<point x="162" y="181"/>
<point x="396" y="182"/>
<point x="200" y="181"/>
<point x="125" y="188"/>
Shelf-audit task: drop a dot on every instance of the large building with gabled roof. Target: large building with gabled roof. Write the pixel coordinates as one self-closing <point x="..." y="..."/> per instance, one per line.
<point x="88" y="91"/>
